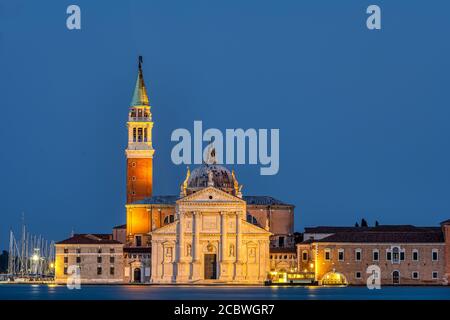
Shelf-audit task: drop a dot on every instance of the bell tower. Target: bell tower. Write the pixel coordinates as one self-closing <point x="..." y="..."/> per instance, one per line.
<point x="139" y="151"/>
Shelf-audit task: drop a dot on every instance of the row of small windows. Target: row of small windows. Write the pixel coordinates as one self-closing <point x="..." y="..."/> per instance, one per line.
<point x="137" y="256"/>
<point x="414" y="275"/>
<point x="99" y="259"/>
<point x="99" y="250"/>
<point x="395" y="255"/>
<point x="282" y="257"/>
<point x="112" y="270"/>
<point x="139" y="113"/>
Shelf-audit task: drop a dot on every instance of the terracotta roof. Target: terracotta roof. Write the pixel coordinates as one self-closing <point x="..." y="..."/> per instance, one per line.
<point x="90" y="239"/>
<point x="380" y="228"/>
<point x="430" y="236"/>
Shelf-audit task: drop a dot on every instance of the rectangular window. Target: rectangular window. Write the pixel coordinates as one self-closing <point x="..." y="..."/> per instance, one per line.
<point x="65" y="270"/>
<point x="376" y="255"/>
<point x="415" y="255"/>
<point x="140" y="134"/>
<point x="78" y="259"/>
<point x="435" y="255"/>
<point x="402" y="255"/>
<point x="134" y="134"/>
<point x="138" y="241"/>
<point x="341" y="255"/>
<point x="112" y="250"/>
<point x="415" y="275"/>
<point x="358" y="275"/>
<point x="388" y="256"/>
<point x="358" y="254"/>
<point x="281" y="242"/>
<point x="66" y="250"/>
<point x="66" y="259"/>
<point x="111" y="259"/>
<point x="434" y="275"/>
<point x="99" y="270"/>
<point x="99" y="259"/>
<point x="327" y="254"/>
<point x="78" y="250"/>
<point x="111" y="271"/>
<point x="305" y="255"/>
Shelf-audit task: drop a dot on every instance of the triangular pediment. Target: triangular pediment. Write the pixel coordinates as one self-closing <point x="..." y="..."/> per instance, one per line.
<point x="210" y="194"/>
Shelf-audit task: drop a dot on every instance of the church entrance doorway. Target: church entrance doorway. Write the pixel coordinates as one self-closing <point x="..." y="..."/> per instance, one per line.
<point x="210" y="266"/>
<point x="137" y="275"/>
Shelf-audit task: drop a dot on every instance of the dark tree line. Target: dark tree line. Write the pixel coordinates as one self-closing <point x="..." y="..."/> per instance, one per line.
<point x="365" y="224"/>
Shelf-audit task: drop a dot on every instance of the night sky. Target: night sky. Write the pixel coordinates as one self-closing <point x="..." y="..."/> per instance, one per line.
<point x="363" y="115"/>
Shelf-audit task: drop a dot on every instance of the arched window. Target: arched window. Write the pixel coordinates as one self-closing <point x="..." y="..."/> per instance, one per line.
<point x="169" y="219"/>
<point x="395" y="255"/>
<point x="251" y="219"/>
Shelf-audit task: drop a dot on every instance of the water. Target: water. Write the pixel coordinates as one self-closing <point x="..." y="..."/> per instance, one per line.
<point x="130" y="292"/>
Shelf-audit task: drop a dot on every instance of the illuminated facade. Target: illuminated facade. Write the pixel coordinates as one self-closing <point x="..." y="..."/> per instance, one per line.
<point x="210" y="242"/>
<point x="97" y="257"/>
<point x="404" y="254"/>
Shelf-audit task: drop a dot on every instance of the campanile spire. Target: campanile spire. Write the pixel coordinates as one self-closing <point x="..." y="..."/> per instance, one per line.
<point x="139" y="151"/>
<point x="140" y="97"/>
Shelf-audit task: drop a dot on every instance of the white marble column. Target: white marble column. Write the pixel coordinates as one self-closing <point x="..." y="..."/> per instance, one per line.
<point x="223" y="236"/>
<point x="196" y="246"/>
<point x="238" y="264"/>
<point x="238" y="236"/>
<point x="180" y="237"/>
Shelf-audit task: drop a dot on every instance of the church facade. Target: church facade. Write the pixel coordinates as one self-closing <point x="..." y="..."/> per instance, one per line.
<point x="210" y="242"/>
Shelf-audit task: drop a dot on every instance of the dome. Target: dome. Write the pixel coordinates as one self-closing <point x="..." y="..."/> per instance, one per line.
<point x="221" y="177"/>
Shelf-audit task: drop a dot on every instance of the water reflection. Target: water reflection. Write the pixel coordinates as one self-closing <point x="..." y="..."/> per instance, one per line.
<point x="140" y="292"/>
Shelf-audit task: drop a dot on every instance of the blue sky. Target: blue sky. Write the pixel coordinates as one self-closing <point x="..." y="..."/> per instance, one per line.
<point x="363" y="115"/>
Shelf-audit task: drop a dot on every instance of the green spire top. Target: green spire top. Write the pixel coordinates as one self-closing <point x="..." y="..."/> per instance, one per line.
<point x="140" y="97"/>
